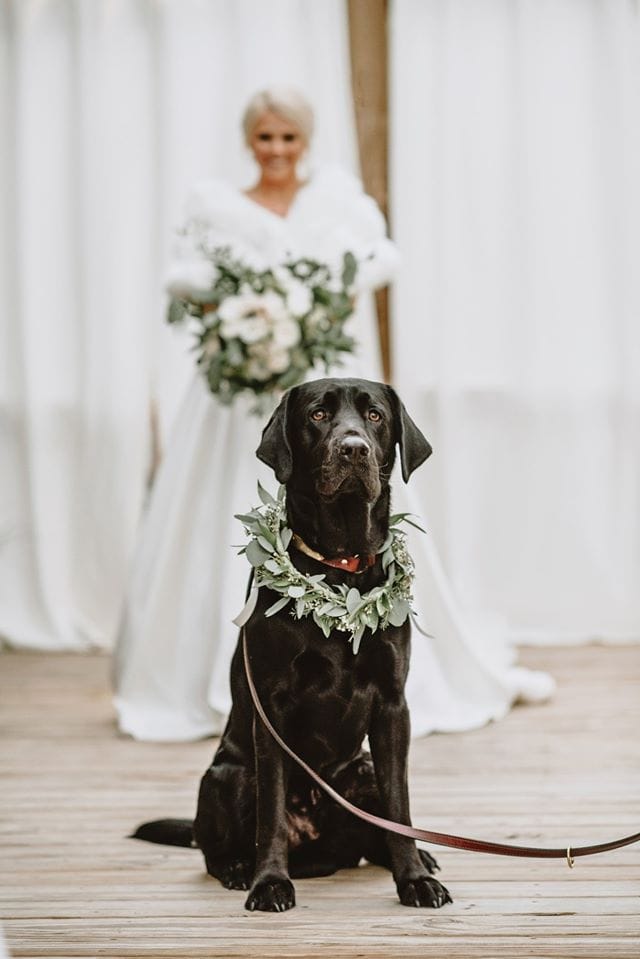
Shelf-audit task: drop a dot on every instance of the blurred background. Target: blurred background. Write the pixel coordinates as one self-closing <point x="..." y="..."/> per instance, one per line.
<point x="501" y="137"/>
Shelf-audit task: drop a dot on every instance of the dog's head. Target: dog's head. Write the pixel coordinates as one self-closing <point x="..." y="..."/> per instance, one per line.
<point x="339" y="436"/>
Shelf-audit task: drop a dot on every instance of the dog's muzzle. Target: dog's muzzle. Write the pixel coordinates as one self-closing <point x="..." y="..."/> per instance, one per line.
<point x="355" y="449"/>
<point x="350" y="465"/>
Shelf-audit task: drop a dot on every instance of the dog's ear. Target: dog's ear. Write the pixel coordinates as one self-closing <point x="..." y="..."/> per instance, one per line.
<point x="414" y="447"/>
<point x="275" y="449"/>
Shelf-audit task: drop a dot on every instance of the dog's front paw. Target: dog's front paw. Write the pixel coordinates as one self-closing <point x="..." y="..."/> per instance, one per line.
<point x="271" y="894"/>
<point x="428" y="861"/>
<point x="423" y="891"/>
<point x="236" y="875"/>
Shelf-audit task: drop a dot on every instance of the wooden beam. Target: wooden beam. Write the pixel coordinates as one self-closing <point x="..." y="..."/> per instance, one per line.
<point x="368" y="48"/>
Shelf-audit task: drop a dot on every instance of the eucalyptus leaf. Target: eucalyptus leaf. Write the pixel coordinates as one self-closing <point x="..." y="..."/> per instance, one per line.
<point x="325" y="609"/>
<point x="201" y="297"/>
<point x="256" y="554"/>
<point x="399" y="612"/>
<point x="324" y="625"/>
<point x="260" y="528"/>
<point x="214" y="376"/>
<point x="266" y="545"/>
<point x="387" y="543"/>
<point x="405" y="518"/>
<point x="281" y="583"/>
<point x="277" y="606"/>
<point x="176" y="311"/>
<point x="249" y="519"/>
<point x="382" y="605"/>
<point x="371" y="618"/>
<point x="414" y="524"/>
<point x="353" y="599"/>
<point x="285" y="537"/>
<point x="398" y="518"/>
<point x="296" y="592"/>
<point x="349" y="268"/>
<point x="357" y="636"/>
<point x="265" y="497"/>
<point x="387" y="558"/>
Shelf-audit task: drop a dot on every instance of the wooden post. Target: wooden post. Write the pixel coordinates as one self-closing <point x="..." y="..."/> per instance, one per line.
<point x="368" y="48"/>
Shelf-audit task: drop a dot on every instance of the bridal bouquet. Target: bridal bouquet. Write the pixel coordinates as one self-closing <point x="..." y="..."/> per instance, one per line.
<point x="260" y="330"/>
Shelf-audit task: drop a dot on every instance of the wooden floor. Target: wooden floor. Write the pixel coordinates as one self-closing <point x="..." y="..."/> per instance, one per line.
<point x="71" y="789"/>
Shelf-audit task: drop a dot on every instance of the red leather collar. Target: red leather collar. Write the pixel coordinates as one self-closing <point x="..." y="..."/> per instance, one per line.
<point x="350" y="564"/>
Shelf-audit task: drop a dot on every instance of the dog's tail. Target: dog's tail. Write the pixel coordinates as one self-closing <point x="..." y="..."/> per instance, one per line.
<point x="167" y="832"/>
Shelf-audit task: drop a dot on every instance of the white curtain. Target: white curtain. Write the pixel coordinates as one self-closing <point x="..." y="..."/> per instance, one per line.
<point x="516" y="204"/>
<point x="109" y="110"/>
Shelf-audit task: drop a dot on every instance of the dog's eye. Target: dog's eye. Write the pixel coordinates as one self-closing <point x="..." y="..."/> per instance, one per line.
<point x="319" y="415"/>
<point x="375" y="416"/>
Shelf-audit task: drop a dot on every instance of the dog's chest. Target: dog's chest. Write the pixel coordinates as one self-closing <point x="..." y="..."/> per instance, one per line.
<point x="330" y="668"/>
<point x="331" y="694"/>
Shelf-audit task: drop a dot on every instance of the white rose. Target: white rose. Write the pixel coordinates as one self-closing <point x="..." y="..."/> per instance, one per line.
<point x="257" y="370"/>
<point x="282" y="276"/>
<point x="275" y="306"/>
<point x="257" y="366"/>
<point x="299" y="298"/>
<point x="252" y="328"/>
<point x="265" y="359"/>
<point x="278" y="359"/>
<point x="235" y="307"/>
<point x="245" y="316"/>
<point x="286" y="333"/>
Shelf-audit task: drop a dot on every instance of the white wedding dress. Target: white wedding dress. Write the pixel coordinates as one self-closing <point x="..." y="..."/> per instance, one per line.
<point x="188" y="583"/>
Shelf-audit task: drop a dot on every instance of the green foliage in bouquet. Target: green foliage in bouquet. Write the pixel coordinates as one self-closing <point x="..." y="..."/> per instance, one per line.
<point x="260" y="331"/>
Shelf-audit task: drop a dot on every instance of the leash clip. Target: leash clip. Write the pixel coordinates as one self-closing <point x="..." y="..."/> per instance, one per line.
<point x="570" y="860"/>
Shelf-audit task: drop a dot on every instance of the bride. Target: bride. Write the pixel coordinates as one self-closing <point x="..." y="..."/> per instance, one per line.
<point x="188" y="583"/>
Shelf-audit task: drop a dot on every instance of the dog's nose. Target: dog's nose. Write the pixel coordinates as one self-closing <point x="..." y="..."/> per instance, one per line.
<point x="354" y="448"/>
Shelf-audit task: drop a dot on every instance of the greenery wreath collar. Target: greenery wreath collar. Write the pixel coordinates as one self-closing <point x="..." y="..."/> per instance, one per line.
<point x="331" y="607"/>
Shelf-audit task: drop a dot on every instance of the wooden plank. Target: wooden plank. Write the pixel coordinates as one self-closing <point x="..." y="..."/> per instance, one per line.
<point x="71" y="884"/>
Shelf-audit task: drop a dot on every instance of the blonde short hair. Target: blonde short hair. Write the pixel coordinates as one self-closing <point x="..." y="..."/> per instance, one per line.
<point x="287" y="103"/>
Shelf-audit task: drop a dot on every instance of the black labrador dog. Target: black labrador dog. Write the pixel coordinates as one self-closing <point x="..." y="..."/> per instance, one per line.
<point x="261" y="821"/>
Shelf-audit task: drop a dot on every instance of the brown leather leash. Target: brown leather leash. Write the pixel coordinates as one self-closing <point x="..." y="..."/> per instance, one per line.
<point x="439" y="838"/>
